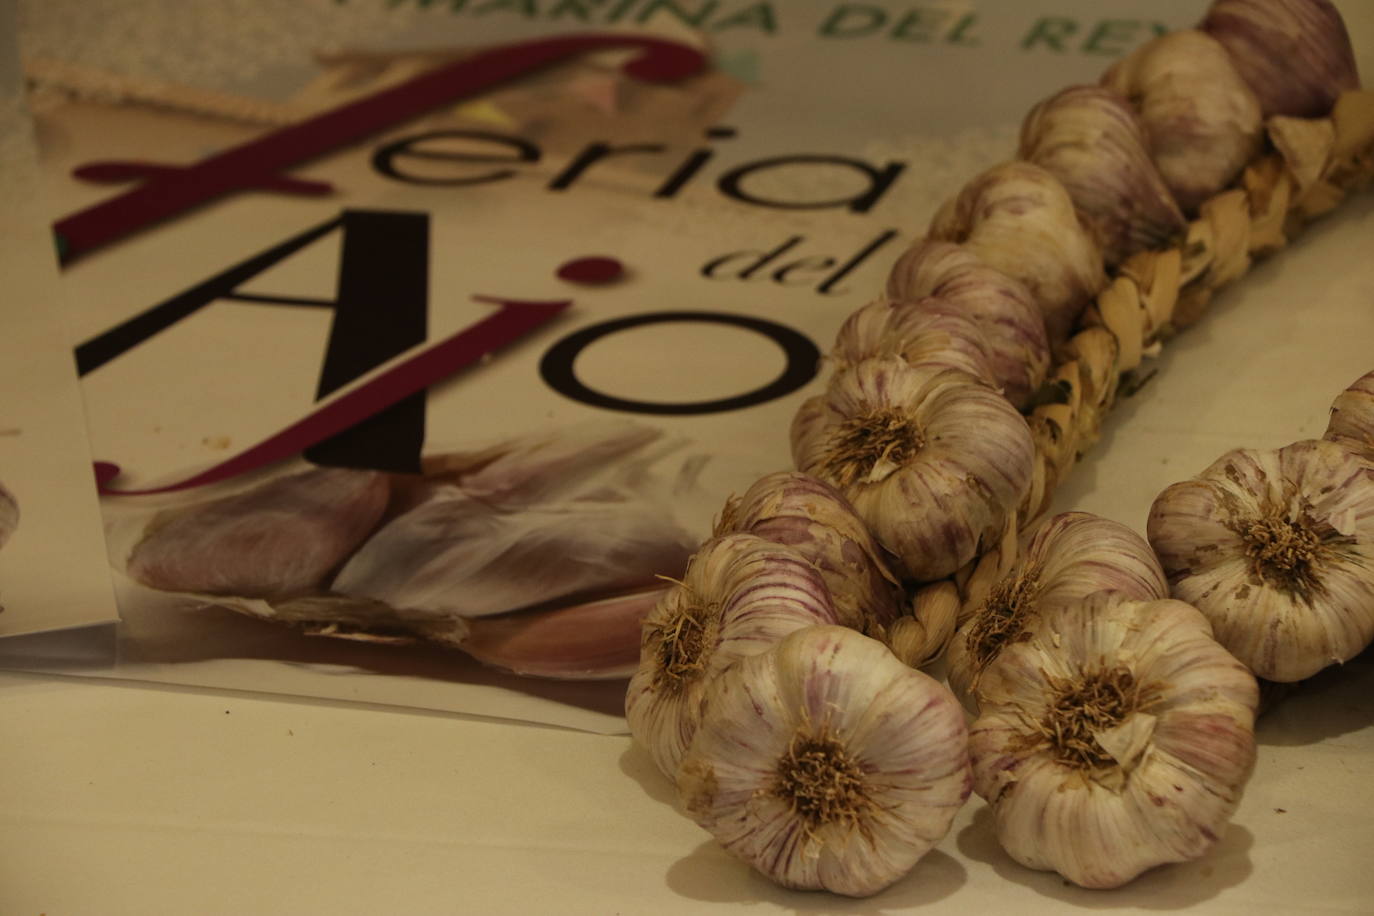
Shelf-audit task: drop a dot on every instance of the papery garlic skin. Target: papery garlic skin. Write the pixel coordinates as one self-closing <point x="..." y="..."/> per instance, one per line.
<point x="1277" y="549"/>
<point x="933" y="463"/>
<point x="814" y="519"/>
<point x="9" y="514"/>
<point x="1091" y="140"/>
<point x="1202" y="121"/>
<point x="1018" y="218"/>
<point x="1118" y="737"/>
<point x="1295" y="55"/>
<point x="827" y="764"/>
<point x="739" y="596"/>
<point x="1067" y="558"/>
<point x="462" y="556"/>
<point x="928" y="333"/>
<point x="1013" y="325"/>
<point x="278" y="539"/>
<point x="1352" y="418"/>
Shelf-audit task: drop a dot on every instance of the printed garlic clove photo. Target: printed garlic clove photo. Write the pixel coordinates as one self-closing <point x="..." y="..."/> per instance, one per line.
<point x="933" y="464"/>
<point x="1019" y="219"/>
<point x="1276" y="548"/>
<point x="279" y="538"/>
<point x="1090" y="138"/>
<point x="739" y="596"/>
<point x="589" y="640"/>
<point x="1295" y="55"/>
<point x="827" y="764"/>
<point x="1202" y="122"/>
<point x="458" y="555"/>
<point x="1012" y="324"/>
<point x="1116" y="737"/>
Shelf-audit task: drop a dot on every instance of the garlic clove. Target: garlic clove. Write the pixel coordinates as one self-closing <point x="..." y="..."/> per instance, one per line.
<point x="1067" y="557"/>
<point x="1013" y="326"/>
<point x="9" y="514"/>
<point x="739" y="596"/>
<point x="591" y="640"/>
<point x="1202" y="122"/>
<point x="275" y="539"/>
<point x="1275" y="547"/>
<point x="813" y="518"/>
<point x="1018" y="219"/>
<point x="1092" y="141"/>
<point x="826" y="763"/>
<point x="1118" y="736"/>
<point x="458" y="555"/>
<point x="1352" y="418"/>
<point x="1295" y="55"/>
<point x="932" y="463"/>
<point x="927" y="333"/>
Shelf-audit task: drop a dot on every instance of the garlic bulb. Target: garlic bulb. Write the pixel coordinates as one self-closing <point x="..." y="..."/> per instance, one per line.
<point x="928" y="333"/>
<point x="827" y="764"/>
<point x="1067" y="558"/>
<point x="273" y="540"/>
<point x="1277" y="549"/>
<point x="814" y="519"/>
<point x="1017" y="218"/>
<point x="1352" y="418"/>
<point x="933" y="463"/>
<point x="1202" y="121"/>
<point x="1091" y="140"/>
<point x="1295" y="55"/>
<point x="9" y="514"/>
<point x="1117" y="737"/>
<point x="740" y="595"/>
<point x="1013" y="326"/>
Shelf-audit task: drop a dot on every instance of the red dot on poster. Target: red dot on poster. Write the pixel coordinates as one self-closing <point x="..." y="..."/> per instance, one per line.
<point x="591" y="270"/>
<point x="105" y="472"/>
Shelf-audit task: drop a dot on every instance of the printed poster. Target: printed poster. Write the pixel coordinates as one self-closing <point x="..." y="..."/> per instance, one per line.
<point x="419" y="341"/>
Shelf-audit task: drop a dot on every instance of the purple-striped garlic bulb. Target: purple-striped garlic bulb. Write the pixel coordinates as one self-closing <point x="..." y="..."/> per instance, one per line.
<point x="928" y="333"/>
<point x="1068" y="557"/>
<point x="827" y="764"/>
<point x="1117" y="736"/>
<point x="1013" y="325"/>
<point x="1277" y="549"/>
<point x="1018" y="218"/>
<point x="1352" y="418"/>
<point x="1295" y="55"/>
<point x="933" y="463"/>
<point x="1090" y="139"/>
<point x="814" y="519"/>
<point x="1202" y="122"/>
<point x="739" y="596"/>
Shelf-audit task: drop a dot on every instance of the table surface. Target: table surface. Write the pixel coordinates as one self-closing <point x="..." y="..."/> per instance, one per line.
<point x="128" y="798"/>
